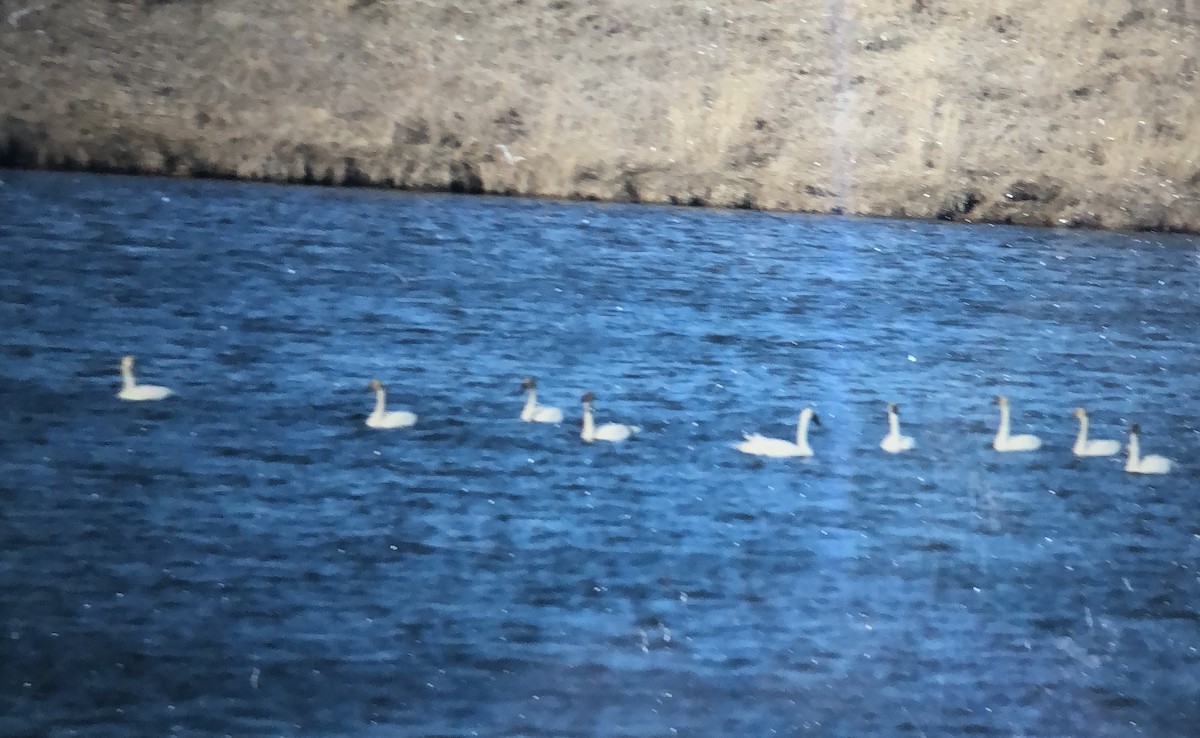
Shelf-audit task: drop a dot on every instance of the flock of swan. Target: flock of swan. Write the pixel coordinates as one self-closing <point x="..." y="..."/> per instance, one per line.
<point x="757" y="445"/>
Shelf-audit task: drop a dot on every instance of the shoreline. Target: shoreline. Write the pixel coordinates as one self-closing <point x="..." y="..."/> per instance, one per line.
<point x="593" y="200"/>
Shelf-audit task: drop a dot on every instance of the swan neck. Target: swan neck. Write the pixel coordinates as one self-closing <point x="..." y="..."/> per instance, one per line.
<point x="1135" y="452"/>
<point x="589" y="425"/>
<point x="127" y="379"/>
<point x="530" y="403"/>
<point x="802" y="431"/>
<point x="1005" y="428"/>
<point x="1081" y="439"/>
<point x="893" y="425"/>
<point x="380" y="402"/>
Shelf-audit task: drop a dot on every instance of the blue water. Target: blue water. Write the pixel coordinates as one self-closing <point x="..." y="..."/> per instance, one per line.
<point x="248" y="559"/>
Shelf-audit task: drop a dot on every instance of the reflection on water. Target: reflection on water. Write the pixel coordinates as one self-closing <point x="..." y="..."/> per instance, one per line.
<point x="248" y="558"/>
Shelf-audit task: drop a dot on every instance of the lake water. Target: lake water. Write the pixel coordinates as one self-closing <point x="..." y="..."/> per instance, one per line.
<point x="248" y="559"/>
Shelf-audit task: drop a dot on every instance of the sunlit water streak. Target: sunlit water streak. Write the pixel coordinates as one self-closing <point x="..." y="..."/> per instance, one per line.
<point x="247" y="558"/>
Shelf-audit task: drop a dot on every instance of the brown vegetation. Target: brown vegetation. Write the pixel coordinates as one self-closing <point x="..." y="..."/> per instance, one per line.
<point x="1080" y="113"/>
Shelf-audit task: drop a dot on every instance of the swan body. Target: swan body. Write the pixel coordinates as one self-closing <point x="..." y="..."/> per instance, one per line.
<point x="380" y="417"/>
<point x="1085" y="447"/>
<point x="533" y="412"/>
<point x="134" y="392"/>
<point x="894" y="442"/>
<point x="611" y="432"/>
<point x="1135" y="463"/>
<point x="1004" y="440"/>
<point x="778" y="448"/>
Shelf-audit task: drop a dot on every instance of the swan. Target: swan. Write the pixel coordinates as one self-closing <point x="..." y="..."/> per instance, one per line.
<point x="1084" y="447"/>
<point x="1137" y="464"/>
<point x="778" y="448"/>
<point x="131" y="390"/>
<point x="893" y="442"/>
<point x="380" y="417"/>
<point x="608" y="432"/>
<point x="533" y="412"/>
<point x="1006" y="442"/>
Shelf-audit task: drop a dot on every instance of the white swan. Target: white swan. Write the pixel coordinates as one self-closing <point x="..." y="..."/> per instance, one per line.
<point x="1084" y="447"/>
<point x="533" y="412"/>
<point x="131" y="390"/>
<point x="1004" y="441"/>
<point x="893" y="442"/>
<point x="778" y="448"/>
<point x="1137" y="464"/>
<point x="613" y="432"/>
<point x="380" y="417"/>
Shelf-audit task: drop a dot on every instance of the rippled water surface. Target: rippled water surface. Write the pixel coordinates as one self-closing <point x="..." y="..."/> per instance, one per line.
<point x="248" y="559"/>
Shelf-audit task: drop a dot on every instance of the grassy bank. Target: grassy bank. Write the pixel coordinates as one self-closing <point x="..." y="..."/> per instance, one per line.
<point x="1084" y="113"/>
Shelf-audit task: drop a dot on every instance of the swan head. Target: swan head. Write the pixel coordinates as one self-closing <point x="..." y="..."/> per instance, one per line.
<point x="1135" y="429"/>
<point x="807" y="413"/>
<point x="1080" y="413"/>
<point x="1001" y="400"/>
<point x="893" y="408"/>
<point x="375" y="385"/>
<point x="528" y="383"/>
<point x="126" y="362"/>
<point x="588" y="398"/>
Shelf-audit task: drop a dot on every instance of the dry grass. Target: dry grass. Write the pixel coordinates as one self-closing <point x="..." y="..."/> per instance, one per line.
<point x="1087" y="114"/>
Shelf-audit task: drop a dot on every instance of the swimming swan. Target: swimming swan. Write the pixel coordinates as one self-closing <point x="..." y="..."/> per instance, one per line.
<point x="777" y="448"/>
<point x="613" y="432"/>
<point x="893" y="442"/>
<point x="1006" y="442"/>
<point x="380" y="417"/>
<point x="1084" y="447"/>
<point x="1137" y="464"/>
<point x="533" y="412"/>
<point x="131" y="390"/>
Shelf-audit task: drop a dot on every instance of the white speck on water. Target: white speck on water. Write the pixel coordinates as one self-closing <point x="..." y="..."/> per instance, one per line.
<point x="911" y="357"/>
<point x="1128" y="586"/>
<point x="254" y="674"/>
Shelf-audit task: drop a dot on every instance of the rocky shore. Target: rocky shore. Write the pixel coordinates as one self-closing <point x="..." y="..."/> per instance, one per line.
<point x="1079" y="114"/>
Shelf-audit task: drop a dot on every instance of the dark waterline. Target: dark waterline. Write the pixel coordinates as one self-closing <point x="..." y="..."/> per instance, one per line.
<point x="248" y="559"/>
